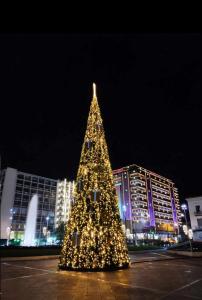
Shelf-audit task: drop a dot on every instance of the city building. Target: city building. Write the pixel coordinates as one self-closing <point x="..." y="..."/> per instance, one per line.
<point x="148" y="203"/>
<point x="17" y="189"/>
<point x="64" y="200"/>
<point x="195" y="213"/>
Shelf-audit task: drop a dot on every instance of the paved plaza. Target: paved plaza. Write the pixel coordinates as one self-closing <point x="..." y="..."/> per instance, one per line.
<point x="154" y="275"/>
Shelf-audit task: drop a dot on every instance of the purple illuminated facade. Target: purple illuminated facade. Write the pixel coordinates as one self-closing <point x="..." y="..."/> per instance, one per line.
<point x="147" y="201"/>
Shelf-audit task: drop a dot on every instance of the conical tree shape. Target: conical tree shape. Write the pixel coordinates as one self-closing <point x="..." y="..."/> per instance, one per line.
<point x="94" y="239"/>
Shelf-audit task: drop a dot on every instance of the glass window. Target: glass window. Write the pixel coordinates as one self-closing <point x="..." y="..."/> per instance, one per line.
<point x="17" y="202"/>
<point x="24" y="211"/>
<point x="25" y="198"/>
<point x="197" y="207"/>
<point x="24" y="203"/>
<point x="199" y="221"/>
<point x="18" y="189"/>
<point x="19" y="181"/>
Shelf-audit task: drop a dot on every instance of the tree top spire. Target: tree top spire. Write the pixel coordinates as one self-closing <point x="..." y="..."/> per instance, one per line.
<point x="94" y="91"/>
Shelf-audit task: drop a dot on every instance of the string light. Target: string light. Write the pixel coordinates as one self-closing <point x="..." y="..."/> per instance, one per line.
<point x="94" y="239"/>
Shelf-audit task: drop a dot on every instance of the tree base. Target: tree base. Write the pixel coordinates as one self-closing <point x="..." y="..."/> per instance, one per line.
<point x="106" y="269"/>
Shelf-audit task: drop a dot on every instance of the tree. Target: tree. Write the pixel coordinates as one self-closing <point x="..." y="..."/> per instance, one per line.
<point x="94" y="239"/>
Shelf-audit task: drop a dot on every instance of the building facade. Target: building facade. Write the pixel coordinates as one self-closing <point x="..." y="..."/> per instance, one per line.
<point x="64" y="201"/>
<point x="148" y="203"/>
<point x="17" y="189"/>
<point x="195" y="213"/>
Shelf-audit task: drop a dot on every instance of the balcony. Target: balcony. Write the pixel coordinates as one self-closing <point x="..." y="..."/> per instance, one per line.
<point x="198" y="213"/>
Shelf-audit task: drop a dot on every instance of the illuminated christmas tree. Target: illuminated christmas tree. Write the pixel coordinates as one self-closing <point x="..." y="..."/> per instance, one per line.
<point x="94" y="239"/>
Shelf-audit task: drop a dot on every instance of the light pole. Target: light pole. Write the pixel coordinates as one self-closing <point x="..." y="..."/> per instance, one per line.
<point x="8" y="231"/>
<point x="124" y="210"/>
<point x="184" y="208"/>
<point x="134" y="233"/>
<point x="47" y="219"/>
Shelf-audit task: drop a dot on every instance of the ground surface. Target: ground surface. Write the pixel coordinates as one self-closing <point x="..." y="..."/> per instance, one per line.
<point x="153" y="275"/>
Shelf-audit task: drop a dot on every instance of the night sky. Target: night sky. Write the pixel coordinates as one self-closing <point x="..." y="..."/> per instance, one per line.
<point x="149" y="88"/>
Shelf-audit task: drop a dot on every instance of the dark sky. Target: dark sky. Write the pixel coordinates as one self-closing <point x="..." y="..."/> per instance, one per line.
<point x="149" y="88"/>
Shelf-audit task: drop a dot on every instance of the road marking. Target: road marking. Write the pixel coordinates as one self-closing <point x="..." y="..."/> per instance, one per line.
<point x="25" y="267"/>
<point x="22" y="277"/>
<point x="188" y="271"/>
<point x="143" y="258"/>
<point x="178" y="265"/>
<point x="136" y="286"/>
<point x="181" y="288"/>
<point x="163" y="255"/>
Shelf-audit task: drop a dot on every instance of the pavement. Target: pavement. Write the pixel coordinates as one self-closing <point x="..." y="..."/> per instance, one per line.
<point x="152" y="275"/>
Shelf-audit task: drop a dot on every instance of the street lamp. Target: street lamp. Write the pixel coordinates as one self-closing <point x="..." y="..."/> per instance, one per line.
<point x="184" y="208"/>
<point x="124" y="210"/>
<point x="47" y="219"/>
<point x="8" y="231"/>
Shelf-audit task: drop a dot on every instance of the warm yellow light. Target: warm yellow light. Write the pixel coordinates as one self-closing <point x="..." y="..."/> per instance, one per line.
<point x="94" y="90"/>
<point x="94" y="237"/>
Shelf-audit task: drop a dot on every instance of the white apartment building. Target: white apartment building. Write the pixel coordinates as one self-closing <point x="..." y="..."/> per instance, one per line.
<point x="64" y="201"/>
<point x="195" y="213"/>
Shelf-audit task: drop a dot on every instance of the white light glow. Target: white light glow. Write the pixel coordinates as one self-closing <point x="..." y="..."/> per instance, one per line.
<point x="30" y="228"/>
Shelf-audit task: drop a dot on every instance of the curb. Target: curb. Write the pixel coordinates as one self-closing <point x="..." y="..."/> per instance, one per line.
<point x="186" y="253"/>
<point x="4" y="259"/>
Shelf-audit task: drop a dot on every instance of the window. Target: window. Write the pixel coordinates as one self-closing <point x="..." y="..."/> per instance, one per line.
<point x="197" y="207"/>
<point x="199" y="221"/>
<point x="18" y="189"/>
<point x="20" y="181"/>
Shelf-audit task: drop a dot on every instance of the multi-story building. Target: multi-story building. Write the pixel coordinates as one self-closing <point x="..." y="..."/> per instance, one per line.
<point x="64" y="200"/>
<point x="148" y="202"/>
<point x="17" y="189"/>
<point x="195" y="213"/>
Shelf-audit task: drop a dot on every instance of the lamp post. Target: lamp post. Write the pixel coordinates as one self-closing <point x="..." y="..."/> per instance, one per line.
<point x="124" y="210"/>
<point x="134" y="234"/>
<point x="8" y="231"/>
<point x="184" y="208"/>
<point x="45" y="233"/>
<point x="47" y="219"/>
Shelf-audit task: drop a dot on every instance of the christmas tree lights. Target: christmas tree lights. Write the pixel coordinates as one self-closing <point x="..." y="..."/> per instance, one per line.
<point x="94" y="239"/>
